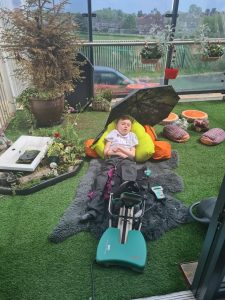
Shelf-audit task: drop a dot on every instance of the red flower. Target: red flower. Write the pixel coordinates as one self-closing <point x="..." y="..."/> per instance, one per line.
<point x="57" y="135"/>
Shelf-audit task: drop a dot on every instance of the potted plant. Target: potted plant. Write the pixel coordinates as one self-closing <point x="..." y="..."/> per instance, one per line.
<point x="151" y="53"/>
<point x="171" y="73"/>
<point x="211" y="50"/>
<point x="102" y="100"/>
<point x="44" y="42"/>
<point x="54" y="151"/>
<point x="156" y="47"/>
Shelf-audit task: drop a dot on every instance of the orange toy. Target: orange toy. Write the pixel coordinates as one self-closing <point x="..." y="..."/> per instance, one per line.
<point x="88" y="150"/>
<point x="170" y="119"/>
<point x="192" y="115"/>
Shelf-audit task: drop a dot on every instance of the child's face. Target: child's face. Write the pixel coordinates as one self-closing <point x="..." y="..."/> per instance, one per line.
<point x="124" y="126"/>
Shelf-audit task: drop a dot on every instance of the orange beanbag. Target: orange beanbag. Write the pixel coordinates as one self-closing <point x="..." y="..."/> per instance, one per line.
<point x="88" y="150"/>
<point x="162" y="148"/>
<point x="151" y="131"/>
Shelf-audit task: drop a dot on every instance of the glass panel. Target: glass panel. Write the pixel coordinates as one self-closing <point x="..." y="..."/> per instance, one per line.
<point x="191" y="16"/>
<point x="194" y="72"/>
<point x="10" y="4"/>
<point x="80" y="10"/>
<point x="132" y="20"/>
<point x="127" y="19"/>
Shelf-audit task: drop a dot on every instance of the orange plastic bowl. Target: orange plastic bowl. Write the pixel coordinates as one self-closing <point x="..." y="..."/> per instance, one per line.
<point x="170" y="119"/>
<point x="192" y="115"/>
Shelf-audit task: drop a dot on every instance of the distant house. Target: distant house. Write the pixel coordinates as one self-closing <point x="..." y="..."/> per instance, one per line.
<point x="105" y="25"/>
<point x="144" y="23"/>
<point x="189" y="24"/>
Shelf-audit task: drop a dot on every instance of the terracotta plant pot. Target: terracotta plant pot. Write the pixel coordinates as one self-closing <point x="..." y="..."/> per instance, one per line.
<point x="209" y="58"/>
<point x="152" y="61"/>
<point x="47" y="112"/>
<point x="171" y="73"/>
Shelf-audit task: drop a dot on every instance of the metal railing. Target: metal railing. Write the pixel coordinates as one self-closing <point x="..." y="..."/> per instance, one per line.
<point x="123" y="56"/>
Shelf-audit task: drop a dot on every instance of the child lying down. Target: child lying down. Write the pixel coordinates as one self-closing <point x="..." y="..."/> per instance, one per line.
<point x="119" y="150"/>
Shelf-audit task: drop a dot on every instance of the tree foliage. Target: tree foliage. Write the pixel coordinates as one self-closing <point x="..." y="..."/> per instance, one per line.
<point x="44" y="42"/>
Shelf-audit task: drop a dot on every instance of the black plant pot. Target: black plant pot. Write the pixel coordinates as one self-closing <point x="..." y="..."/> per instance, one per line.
<point x="53" y="159"/>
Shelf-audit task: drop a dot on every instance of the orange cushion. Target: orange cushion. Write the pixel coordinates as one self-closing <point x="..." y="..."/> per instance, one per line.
<point x="151" y="131"/>
<point x="88" y="150"/>
<point x="162" y="150"/>
<point x="213" y="136"/>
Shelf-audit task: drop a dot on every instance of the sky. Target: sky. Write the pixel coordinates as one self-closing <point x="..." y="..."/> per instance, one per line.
<point x="133" y="6"/>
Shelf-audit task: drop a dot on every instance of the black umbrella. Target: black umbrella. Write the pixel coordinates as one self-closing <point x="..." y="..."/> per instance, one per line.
<point x="148" y="106"/>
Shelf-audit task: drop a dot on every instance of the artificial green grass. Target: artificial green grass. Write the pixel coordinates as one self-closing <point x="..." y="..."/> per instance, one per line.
<point x="33" y="268"/>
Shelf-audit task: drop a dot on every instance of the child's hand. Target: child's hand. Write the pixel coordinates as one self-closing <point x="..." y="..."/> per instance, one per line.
<point x="115" y="149"/>
<point x="119" y="148"/>
<point x="121" y="154"/>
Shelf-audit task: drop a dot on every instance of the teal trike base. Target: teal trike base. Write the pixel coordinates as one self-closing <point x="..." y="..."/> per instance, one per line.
<point x="132" y="254"/>
<point x="124" y="244"/>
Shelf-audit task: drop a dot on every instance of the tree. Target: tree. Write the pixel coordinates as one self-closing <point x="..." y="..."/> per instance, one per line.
<point x="43" y="40"/>
<point x="81" y="22"/>
<point x="195" y="10"/>
<point x="215" y="24"/>
<point x="129" y="22"/>
<point x="140" y="13"/>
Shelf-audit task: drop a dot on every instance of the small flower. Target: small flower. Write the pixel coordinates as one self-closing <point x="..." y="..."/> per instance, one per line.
<point x="57" y="135"/>
<point x="71" y="109"/>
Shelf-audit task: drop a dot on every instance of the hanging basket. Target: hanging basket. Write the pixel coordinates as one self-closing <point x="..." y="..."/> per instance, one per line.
<point x="209" y="58"/>
<point x="171" y="73"/>
<point x="152" y="61"/>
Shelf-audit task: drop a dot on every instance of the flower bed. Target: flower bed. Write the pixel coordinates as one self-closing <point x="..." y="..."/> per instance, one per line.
<point x="37" y="184"/>
<point x="63" y="159"/>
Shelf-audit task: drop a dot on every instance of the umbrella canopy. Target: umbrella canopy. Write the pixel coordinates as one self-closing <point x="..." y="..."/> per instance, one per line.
<point x="148" y="106"/>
